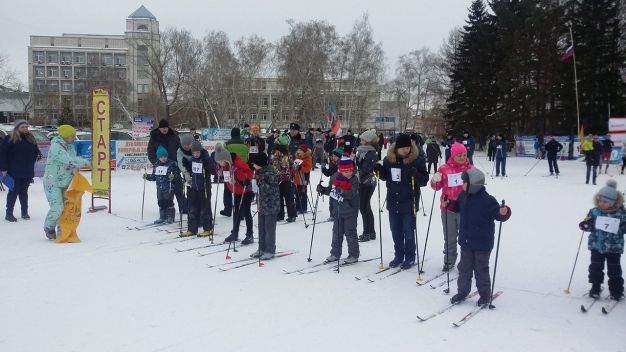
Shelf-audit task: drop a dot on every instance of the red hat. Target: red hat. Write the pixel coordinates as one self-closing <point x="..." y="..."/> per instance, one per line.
<point x="550" y="136"/>
<point x="345" y="164"/>
<point x="303" y="147"/>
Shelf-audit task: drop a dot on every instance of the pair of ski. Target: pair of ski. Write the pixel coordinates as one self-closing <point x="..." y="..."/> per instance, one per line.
<point x="385" y="270"/>
<point x="333" y="266"/>
<point x="250" y="261"/>
<point x="465" y="318"/>
<point x="606" y="309"/>
<point x="153" y="225"/>
<point x="437" y="285"/>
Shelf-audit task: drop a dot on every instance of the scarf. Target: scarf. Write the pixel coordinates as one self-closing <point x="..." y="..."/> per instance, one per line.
<point x="362" y="150"/>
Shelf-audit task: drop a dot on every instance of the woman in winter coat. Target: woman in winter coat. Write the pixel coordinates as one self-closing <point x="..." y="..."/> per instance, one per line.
<point x="17" y="159"/>
<point x="60" y="167"/>
<point x="448" y="179"/>
<point x="366" y="157"/>
<point x="303" y="165"/>
<point x="283" y="164"/>
<point x="433" y="154"/>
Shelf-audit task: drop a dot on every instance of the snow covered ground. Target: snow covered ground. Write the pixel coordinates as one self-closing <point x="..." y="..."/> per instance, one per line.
<point x="111" y="293"/>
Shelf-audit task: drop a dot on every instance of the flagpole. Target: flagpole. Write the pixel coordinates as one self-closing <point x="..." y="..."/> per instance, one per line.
<point x="575" y="81"/>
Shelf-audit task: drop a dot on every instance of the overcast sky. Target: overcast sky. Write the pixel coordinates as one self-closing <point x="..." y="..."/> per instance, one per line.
<point x="402" y="25"/>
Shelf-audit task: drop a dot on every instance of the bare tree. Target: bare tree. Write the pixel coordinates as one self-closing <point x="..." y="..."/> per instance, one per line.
<point x="9" y="77"/>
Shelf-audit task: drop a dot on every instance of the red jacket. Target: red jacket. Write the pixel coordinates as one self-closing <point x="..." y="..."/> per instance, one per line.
<point x="450" y="188"/>
<point x="240" y="172"/>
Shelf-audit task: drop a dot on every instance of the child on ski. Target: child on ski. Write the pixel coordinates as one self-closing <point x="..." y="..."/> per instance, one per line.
<point x="344" y="194"/>
<point x="404" y="172"/>
<point x="330" y="169"/>
<point x="164" y="172"/>
<point x="606" y="223"/>
<point x="303" y="164"/>
<point x="478" y="211"/>
<point x="200" y="168"/>
<point x="267" y="182"/>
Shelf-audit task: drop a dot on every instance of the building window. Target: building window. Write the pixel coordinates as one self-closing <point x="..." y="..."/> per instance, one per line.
<point x="142" y="74"/>
<point x="53" y="86"/>
<point x="39" y="71"/>
<point x="265" y="101"/>
<point x="53" y="72"/>
<point x="80" y="101"/>
<point x="40" y="101"/>
<point x="67" y="73"/>
<point x="107" y="60"/>
<point x="92" y="59"/>
<point x="253" y="116"/>
<point x="53" y="58"/>
<point x="274" y="101"/>
<point x="295" y="116"/>
<point x="67" y="58"/>
<point x="142" y="61"/>
<point x="67" y="86"/>
<point x="79" y="59"/>
<point x="39" y="86"/>
<point x="143" y="88"/>
<point x="106" y="46"/>
<point x="140" y="104"/>
<point x="120" y="60"/>
<point x="38" y="58"/>
<point x="142" y="27"/>
<point x="285" y="116"/>
<point x="80" y="87"/>
<point x="264" y="117"/>
<point x="121" y="73"/>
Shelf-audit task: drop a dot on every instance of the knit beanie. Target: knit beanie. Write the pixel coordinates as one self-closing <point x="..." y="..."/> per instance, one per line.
<point x="222" y="154"/>
<point x="66" y="131"/>
<point x="235" y="133"/>
<point x="186" y="138"/>
<point x="403" y="141"/>
<point x="345" y="164"/>
<point x="18" y="123"/>
<point x="457" y="148"/>
<point x="161" y="152"/>
<point x="283" y="140"/>
<point x="303" y="147"/>
<point x="338" y="152"/>
<point x="260" y="159"/>
<point x="164" y="123"/>
<point x="196" y="146"/>
<point x="368" y="136"/>
<point x="608" y="193"/>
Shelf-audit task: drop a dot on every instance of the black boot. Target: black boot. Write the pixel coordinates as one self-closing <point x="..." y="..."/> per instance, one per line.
<point x="364" y="237"/>
<point x="10" y="217"/>
<point x="458" y="298"/>
<point x="25" y="216"/>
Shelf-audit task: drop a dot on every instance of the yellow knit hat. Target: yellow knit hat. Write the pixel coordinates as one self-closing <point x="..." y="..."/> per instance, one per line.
<point x="66" y="131"/>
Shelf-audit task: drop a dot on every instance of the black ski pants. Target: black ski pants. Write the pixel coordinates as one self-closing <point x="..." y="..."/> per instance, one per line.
<point x="613" y="270"/>
<point x="365" y="207"/>
<point x="20" y="189"/>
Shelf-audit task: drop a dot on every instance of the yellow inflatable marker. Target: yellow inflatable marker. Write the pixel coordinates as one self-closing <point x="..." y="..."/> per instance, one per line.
<point x="70" y="218"/>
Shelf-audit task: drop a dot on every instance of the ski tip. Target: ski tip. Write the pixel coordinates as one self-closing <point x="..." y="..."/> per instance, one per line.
<point x="261" y="264"/>
<point x="420" y="319"/>
<point x="582" y="308"/>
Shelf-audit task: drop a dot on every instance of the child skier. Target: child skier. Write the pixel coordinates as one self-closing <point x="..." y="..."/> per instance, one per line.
<point x="303" y="164"/>
<point x="200" y="167"/>
<point x="606" y="223"/>
<point x="267" y="181"/>
<point x="404" y="172"/>
<point x="344" y="194"/>
<point x="478" y="211"/>
<point x="332" y="169"/>
<point x="164" y="172"/>
<point x="283" y="164"/>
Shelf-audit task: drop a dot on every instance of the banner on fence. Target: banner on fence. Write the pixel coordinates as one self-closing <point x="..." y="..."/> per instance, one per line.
<point x="216" y="134"/>
<point x="142" y="125"/>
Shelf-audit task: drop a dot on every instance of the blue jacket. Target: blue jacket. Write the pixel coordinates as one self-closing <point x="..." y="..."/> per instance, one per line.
<point x="401" y="197"/>
<point x="469" y="143"/>
<point x="201" y="179"/>
<point x="18" y="159"/>
<point x="447" y="143"/>
<point x="499" y="148"/>
<point x="478" y="213"/>
<point x="603" y="241"/>
<point x="607" y="145"/>
<point x="163" y="182"/>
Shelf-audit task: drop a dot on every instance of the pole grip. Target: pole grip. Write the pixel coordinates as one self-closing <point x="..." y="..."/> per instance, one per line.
<point x="503" y="203"/>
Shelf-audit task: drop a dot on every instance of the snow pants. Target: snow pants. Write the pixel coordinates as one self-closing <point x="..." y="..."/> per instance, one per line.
<point x="318" y="155"/>
<point x="245" y="201"/>
<point x="365" y="207"/>
<point x="500" y="165"/>
<point x="54" y="195"/>
<point x="286" y="198"/>
<point x="613" y="270"/>
<point x="302" y="198"/>
<point x="402" y="232"/>
<point x="477" y="263"/>
<point x="267" y="233"/>
<point x="450" y="223"/>
<point x="200" y="212"/>
<point x="345" y="224"/>
<point x="20" y="189"/>
<point x="165" y="200"/>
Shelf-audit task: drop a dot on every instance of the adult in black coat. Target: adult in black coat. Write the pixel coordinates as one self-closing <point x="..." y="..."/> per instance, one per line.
<point x="433" y="154"/>
<point x="331" y="142"/>
<point x="592" y="158"/>
<point x="296" y="139"/>
<point x="271" y="140"/>
<point x="168" y="138"/>
<point x="348" y="142"/>
<point x="17" y="159"/>
<point x="553" y="148"/>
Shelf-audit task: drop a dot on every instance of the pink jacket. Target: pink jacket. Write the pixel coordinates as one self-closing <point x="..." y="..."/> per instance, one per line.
<point x="451" y="175"/>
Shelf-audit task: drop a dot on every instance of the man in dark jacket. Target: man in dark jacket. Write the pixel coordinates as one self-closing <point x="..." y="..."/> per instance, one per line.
<point x="269" y="141"/>
<point x="607" y="148"/>
<point x="447" y="143"/>
<point x="592" y="158"/>
<point x="499" y="147"/>
<point x="168" y="138"/>
<point x="470" y="144"/>
<point x="310" y="138"/>
<point x="296" y="138"/>
<point x="331" y="142"/>
<point x="553" y="148"/>
<point x="492" y="151"/>
<point x="348" y="142"/>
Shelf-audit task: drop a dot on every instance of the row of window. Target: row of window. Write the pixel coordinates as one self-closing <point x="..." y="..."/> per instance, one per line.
<point x="66" y="86"/>
<point x="79" y="73"/>
<point x="265" y="102"/>
<point x="62" y="58"/>
<point x="264" y="116"/>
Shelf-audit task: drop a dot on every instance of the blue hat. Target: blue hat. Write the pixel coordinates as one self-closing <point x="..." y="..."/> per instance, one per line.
<point x="161" y="152"/>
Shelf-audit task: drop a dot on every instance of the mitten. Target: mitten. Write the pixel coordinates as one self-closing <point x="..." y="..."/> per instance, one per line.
<point x="436" y="177"/>
<point x="585" y="225"/>
<point x="320" y="189"/>
<point x="378" y="168"/>
<point x="171" y="177"/>
<point x="144" y="176"/>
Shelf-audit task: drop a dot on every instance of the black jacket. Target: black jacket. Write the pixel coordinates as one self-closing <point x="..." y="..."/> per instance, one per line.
<point x="593" y="157"/>
<point x="478" y="213"/>
<point x="269" y="142"/>
<point x="169" y="141"/>
<point x="330" y="145"/>
<point x="348" y="143"/>
<point x="433" y="153"/>
<point x="201" y="178"/>
<point x="294" y="143"/>
<point x="18" y="159"/>
<point x="553" y="147"/>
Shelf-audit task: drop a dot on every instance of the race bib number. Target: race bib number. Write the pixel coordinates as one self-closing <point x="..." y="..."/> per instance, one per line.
<point x="196" y="168"/>
<point x="499" y="147"/>
<point x="226" y="176"/>
<point x="254" y="150"/>
<point x="347" y="143"/>
<point x="607" y="224"/>
<point x="396" y="174"/>
<point x="298" y="161"/>
<point x="454" y="180"/>
<point x="333" y="194"/>
<point x="464" y="142"/>
<point x="160" y="171"/>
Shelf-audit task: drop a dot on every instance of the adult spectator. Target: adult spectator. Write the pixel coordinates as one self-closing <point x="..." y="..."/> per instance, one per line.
<point x="310" y="137"/>
<point x="296" y="138"/>
<point x="318" y="147"/>
<point x="447" y="143"/>
<point x="418" y="142"/>
<point x="500" y="155"/>
<point x="553" y="148"/>
<point x="196" y="136"/>
<point x="348" y="142"/>
<point x="255" y="144"/>
<point x="593" y="152"/>
<point x="331" y="142"/>
<point x="17" y="159"/>
<point x="184" y="153"/>
<point x="607" y="148"/>
<point x="433" y="154"/>
<point x="470" y="144"/>
<point x="381" y="143"/>
<point x="167" y="138"/>
<point x="271" y="140"/>
<point x="234" y="145"/>
<point x="491" y="151"/>
<point x="61" y="164"/>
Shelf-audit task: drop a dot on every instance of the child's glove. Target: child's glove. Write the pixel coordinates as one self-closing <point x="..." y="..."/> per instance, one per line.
<point x="171" y="177"/>
<point x="320" y="189"/>
<point x="378" y="168"/>
<point x="144" y="176"/>
<point x="436" y="177"/>
<point x="585" y="225"/>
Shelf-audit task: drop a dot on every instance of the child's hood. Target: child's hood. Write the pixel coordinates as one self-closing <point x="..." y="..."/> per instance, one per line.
<point x="619" y="203"/>
<point x="303" y="155"/>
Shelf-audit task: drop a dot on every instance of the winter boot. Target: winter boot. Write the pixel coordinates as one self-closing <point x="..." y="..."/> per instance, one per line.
<point x="458" y="298"/>
<point x="595" y="291"/>
<point x="162" y="216"/>
<point x="10" y="217"/>
<point x="291" y="219"/>
<point x="205" y="233"/>
<point x="171" y="215"/>
<point x="616" y="296"/>
<point x="248" y="240"/>
<point x="364" y="237"/>
<point x="483" y="300"/>
<point x="350" y="260"/>
<point x="50" y="233"/>
<point x="372" y="236"/>
<point x="407" y="264"/>
<point x="224" y="213"/>
<point x="447" y="267"/>
<point x="232" y="238"/>
<point x="267" y="256"/>
<point x="256" y="254"/>
<point x="187" y="234"/>
<point x="395" y="262"/>
<point x="331" y="259"/>
<point x="25" y="215"/>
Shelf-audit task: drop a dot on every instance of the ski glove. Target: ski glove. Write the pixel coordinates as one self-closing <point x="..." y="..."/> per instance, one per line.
<point x="436" y="177"/>
<point x="187" y="177"/>
<point x="586" y="225"/>
<point x="171" y="177"/>
<point x="378" y="168"/>
<point x="320" y="189"/>
<point x="144" y="176"/>
<point x="412" y="171"/>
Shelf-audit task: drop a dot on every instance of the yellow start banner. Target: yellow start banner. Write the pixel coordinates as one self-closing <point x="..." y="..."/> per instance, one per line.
<point x="101" y="142"/>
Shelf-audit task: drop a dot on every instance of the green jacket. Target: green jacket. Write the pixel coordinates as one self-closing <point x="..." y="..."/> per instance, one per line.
<point x="61" y="161"/>
<point x="238" y="147"/>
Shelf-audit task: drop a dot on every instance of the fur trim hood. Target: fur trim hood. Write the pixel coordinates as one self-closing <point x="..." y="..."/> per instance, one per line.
<point x="619" y="203"/>
<point x="304" y="154"/>
<point x="410" y="158"/>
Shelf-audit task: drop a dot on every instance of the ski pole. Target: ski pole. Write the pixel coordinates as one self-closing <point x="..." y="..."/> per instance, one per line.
<point x="380" y="223"/>
<point x="143" y="197"/>
<point x="481" y="164"/>
<point x="445" y="237"/>
<point x="423" y="208"/>
<point x="495" y="265"/>
<point x="575" y="260"/>
<point x="217" y="192"/>
<point x="306" y="226"/>
<point x="432" y="206"/>
<point x="417" y="250"/>
<point x="314" y="222"/>
<point x="237" y="219"/>
<point x="493" y="167"/>
<point x="180" y="229"/>
<point x="258" y="206"/>
<point x="533" y="167"/>
<point x="338" y="234"/>
<point x="385" y="202"/>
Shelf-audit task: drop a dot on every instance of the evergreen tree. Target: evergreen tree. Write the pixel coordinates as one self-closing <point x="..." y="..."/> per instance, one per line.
<point x="67" y="115"/>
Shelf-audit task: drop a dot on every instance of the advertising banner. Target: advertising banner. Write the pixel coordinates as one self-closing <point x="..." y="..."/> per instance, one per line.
<point x="132" y="155"/>
<point x="216" y="134"/>
<point x="101" y="142"/>
<point x="83" y="150"/>
<point x="525" y="146"/>
<point x="142" y="125"/>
